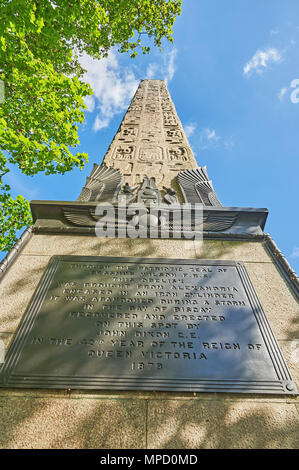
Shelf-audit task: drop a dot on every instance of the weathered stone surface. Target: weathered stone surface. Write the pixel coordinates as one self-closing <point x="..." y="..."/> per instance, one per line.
<point x="290" y="351"/>
<point x="173" y="424"/>
<point x="17" y="287"/>
<point x="49" y="422"/>
<point x="94" y="246"/>
<point x="151" y="138"/>
<point x="232" y="250"/>
<point x="66" y="423"/>
<point x="278" y="301"/>
<point x="6" y="338"/>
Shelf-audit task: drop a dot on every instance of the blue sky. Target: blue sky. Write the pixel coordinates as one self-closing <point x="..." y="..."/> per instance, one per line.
<point x="230" y="73"/>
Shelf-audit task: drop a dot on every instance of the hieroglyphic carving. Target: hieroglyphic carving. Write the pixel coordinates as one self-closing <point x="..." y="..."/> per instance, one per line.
<point x="173" y="135"/>
<point x="165" y="97"/>
<point x="166" y="107"/>
<point x="135" y="107"/>
<point x="177" y="155"/>
<point x="137" y="98"/>
<point x="150" y="154"/>
<point x="126" y="168"/>
<point x="151" y="97"/>
<point x="124" y="152"/>
<point x="153" y="87"/>
<point x="169" y="119"/>
<point x="153" y="128"/>
<point x="151" y="133"/>
<point x="139" y="93"/>
<point x="128" y="133"/>
<point x="132" y="117"/>
<point x="151" y="108"/>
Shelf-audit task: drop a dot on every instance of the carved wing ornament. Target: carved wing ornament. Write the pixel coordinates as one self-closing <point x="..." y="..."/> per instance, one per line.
<point x="102" y="185"/>
<point x="210" y="222"/>
<point x="106" y="186"/>
<point x="82" y="217"/>
<point x="197" y="188"/>
<point x="218" y="222"/>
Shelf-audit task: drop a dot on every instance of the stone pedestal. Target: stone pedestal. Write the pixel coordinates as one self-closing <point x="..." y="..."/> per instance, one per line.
<point x="133" y="419"/>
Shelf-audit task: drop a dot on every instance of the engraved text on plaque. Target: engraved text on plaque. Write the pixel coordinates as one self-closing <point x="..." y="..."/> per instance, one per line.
<point x="150" y="324"/>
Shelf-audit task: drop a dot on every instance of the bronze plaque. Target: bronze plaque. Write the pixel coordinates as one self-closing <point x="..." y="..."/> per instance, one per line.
<point x="146" y="324"/>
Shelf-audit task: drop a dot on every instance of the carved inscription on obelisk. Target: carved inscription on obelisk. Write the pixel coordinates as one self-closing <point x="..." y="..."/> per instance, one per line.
<point x="151" y="139"/>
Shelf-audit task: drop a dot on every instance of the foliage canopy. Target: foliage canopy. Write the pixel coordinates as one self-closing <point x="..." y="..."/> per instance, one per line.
<point x="40" y="45"/>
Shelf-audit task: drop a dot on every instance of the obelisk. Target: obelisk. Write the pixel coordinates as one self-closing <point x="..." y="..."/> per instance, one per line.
<point x="151" y="139"/>
<point x="151" y="342"/>
<point x="150" y="144"/>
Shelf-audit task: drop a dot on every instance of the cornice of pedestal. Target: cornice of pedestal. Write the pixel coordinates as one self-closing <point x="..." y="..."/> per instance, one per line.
<point x="212" y="222"/>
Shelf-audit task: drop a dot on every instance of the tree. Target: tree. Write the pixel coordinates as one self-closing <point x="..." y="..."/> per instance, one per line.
<point x="40" y="45"/>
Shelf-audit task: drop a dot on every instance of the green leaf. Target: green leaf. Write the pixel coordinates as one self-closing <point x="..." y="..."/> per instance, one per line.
<point x="44" y="89"/>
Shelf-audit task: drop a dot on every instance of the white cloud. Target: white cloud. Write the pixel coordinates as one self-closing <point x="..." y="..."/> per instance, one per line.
<point x="90" y="103"/>
<point x="189" y="129"/>
<point x="295" y="252"/>
<point x="151" y="70"/>
<point x="165" y="68"/>
<point x="170" y="67"/>
<point x="210" y="134"/>
<point x="112" y="85"/>
<point x="274" y="31"/>
<point x="100" y="123"/>
<point x="282" y="93"/>
<point x="261" y="60"/>
<point x="228" y="144"/>
<point x="208" y="139"/>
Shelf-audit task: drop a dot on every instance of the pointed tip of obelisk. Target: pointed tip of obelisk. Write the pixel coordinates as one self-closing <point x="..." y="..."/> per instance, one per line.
<point x="152" y="80"/>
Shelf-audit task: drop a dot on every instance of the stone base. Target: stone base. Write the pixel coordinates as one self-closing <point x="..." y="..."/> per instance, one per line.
<point x="161" y="420"/>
